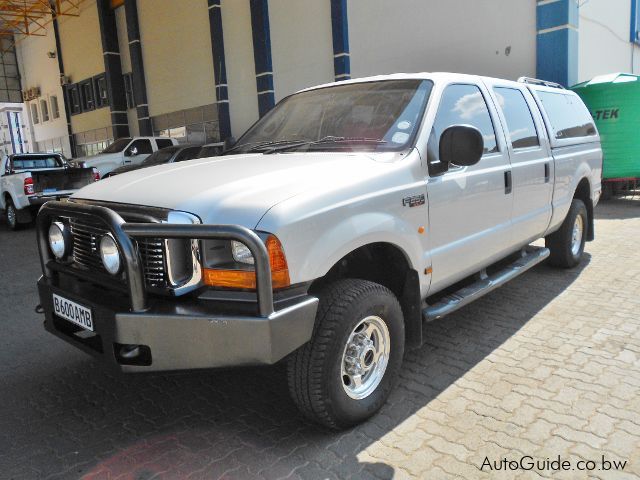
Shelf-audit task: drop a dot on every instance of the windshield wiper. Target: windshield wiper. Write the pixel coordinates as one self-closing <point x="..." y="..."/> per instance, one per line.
<point x="274" y="146"/>
<point x="328" y="140"/>
<point x="340" y="140"/>
<point x="271" y="145"/>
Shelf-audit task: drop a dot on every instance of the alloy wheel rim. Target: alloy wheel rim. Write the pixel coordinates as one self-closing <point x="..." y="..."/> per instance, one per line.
<point x="576" y="236"/>
<point x="11" y="216"/>
<point x="365" y="357"/>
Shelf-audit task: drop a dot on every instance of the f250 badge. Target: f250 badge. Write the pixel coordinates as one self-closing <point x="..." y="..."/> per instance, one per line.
<point x="414" y="201"/>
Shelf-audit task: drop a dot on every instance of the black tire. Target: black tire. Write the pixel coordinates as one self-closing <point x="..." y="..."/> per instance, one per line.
<point x="314" y="370"/>
<point x="560" y="242"/>
<point x="11" y="216"/>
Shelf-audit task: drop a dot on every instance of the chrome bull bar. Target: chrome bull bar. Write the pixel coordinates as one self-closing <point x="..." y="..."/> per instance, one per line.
<point x="125" y="233"/>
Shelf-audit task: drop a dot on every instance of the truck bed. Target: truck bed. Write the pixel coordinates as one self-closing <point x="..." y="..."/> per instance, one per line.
<point x="45" y="181"/>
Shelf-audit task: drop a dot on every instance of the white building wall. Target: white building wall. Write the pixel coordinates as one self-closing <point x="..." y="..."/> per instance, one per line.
<point x="604" y="44"/>
<point x="301" y="44"/>
<point x="176" y="48"/>
<point x="241" y="70"/>
<point x="496" y="37"/>
<point x="37" y="69"/>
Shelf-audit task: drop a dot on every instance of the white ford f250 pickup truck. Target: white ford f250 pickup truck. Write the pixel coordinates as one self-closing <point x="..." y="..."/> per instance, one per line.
<point x="28" y="180"/>
<point x="344" y="220"/>
<point x="126" y="151"/>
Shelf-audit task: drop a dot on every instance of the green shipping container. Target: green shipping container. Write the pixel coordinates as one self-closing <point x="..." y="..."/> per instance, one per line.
<point x="614" y="102"/>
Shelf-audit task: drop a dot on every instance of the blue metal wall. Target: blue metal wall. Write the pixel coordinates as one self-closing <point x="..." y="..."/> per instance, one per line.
<point x="557" y="41"/>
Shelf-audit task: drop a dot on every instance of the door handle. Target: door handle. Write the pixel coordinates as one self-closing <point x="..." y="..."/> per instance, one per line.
<point x="547" y="174"/>
<point x="507" y="182"/>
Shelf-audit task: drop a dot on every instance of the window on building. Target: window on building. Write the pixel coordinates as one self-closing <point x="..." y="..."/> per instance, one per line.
<point x="86" y="95"/>
<point x="568" y="116"/>
<point x="520" y="125"/>
<point x="55" y="108"/>
<point x="635" y="21"/>
<point x="73" y="97"/>
<point x="463" y="105"/>
<point x="100" y="87"/>
<point x="128" y="90"/>
<point x="34" y="113"/>
<point x="143" y="146"/>
<point x="44" y="108"/>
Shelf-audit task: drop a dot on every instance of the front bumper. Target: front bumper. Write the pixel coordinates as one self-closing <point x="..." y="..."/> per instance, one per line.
<point x="170" y="333"/>
<point x="38" y="200"/>
<point x="177" y="334"/>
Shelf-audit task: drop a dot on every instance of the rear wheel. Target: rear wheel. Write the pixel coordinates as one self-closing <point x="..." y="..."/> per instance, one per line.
<point x="347" y="370"/>
<point x="567" y="243"/>
<point x="11" y="216"/>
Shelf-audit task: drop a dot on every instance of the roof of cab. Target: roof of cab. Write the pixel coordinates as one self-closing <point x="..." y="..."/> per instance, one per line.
<point x="435" y="76"/>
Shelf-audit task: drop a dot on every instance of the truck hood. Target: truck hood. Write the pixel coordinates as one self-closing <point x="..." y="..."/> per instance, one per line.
<point x="94" y="159"/>
<point x="232" y="189"/>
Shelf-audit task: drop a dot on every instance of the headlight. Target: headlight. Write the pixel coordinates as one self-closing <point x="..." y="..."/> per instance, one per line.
<point x="110" y="254"/>
<point x="230" y="264"/>
<point x="57" y="240"/>
<point x="241" y="253"/>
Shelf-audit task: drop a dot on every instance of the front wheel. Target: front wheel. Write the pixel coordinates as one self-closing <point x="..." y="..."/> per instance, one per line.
<point x="567" y="243"/>
<point x="347" y="370"/>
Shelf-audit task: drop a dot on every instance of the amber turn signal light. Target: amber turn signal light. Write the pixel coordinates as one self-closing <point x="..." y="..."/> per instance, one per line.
<point x="246" y="279"/>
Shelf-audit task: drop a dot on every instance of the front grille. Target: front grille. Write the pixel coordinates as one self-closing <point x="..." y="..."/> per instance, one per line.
<point x="86" y="252"/>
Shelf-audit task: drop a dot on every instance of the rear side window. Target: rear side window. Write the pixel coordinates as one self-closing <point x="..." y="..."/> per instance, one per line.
<point x="522" y="129"/>
<point x="163" y="143"/>
<point x="187" y="154"/>
<point x="465" y="105"/>
<point x="568" y="116"/>
<point x="210" y="152"/>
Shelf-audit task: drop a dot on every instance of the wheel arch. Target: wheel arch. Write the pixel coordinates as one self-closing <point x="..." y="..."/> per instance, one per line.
<point x="389" y="265"/>
<point x="583" y="192"/>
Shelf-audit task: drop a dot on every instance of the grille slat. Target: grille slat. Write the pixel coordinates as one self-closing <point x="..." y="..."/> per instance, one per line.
<point x="86" y="252"/>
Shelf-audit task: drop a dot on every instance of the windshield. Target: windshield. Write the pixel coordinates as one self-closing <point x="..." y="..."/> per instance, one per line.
<point x="373" y="116"/>
<point x="161" y="156"/>
<point x="117" y="146"/>
<point x="33" y="162"/>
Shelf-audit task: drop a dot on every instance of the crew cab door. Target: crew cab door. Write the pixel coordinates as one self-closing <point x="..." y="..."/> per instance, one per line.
<point x="137" y="151"/>
<point x="469" y="207"/>
<point x="531" y="161"/>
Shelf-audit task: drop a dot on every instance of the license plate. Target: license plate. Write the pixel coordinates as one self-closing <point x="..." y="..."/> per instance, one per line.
<point x="46" y="191"/>
<point x="72" y="311"/>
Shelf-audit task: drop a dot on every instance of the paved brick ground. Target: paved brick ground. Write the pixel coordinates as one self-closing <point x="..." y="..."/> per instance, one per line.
<point x="548" y="365"/>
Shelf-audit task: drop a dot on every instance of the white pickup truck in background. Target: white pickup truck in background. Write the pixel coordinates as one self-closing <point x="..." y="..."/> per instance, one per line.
<point x="346" y="219"/>
<point x="27" y="180"/>
<point x="125" y="151"/>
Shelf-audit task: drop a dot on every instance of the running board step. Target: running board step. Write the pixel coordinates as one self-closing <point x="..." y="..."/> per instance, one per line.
<point x="531" y="256"/>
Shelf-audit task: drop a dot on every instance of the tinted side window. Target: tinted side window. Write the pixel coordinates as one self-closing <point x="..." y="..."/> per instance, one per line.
<point x="568" y="116"/>
<point x="143" y="146"/>
<point x="465" y="105"/>
<point x="522" y="129"/>
<point x="209" y="152"/>
<point x="163" y="143"/>
<point x="187" y="154"/>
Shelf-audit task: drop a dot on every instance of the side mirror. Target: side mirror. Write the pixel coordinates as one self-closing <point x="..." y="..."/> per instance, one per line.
<point x="229" y="142"/>
<point x="460" y="145"/>
<point x="132" y="152"/>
